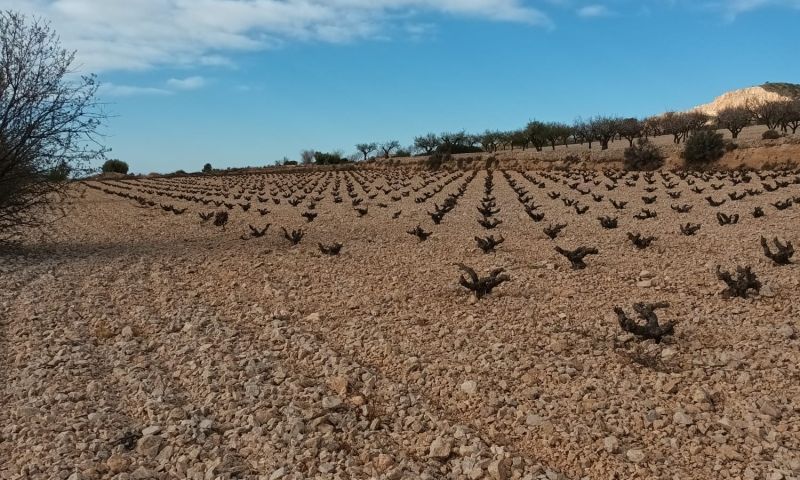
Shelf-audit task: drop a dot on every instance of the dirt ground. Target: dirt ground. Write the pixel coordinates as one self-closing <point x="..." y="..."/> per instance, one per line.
<point x="139" y="343"/>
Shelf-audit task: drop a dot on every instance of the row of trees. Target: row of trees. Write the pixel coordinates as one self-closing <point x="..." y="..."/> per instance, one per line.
<point x="601" y="130"/>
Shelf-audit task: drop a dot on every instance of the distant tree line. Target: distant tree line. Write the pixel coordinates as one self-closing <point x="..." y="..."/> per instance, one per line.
<point x="598" y="130"/>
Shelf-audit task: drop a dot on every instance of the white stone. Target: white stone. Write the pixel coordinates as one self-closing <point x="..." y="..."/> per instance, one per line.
<point x="635" y="455"/>
<point x="470" y="387"/>
<point x="611" y="444"/>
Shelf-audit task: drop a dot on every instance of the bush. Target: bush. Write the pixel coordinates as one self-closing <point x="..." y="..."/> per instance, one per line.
<point x="115" y="166"/>
<point x="207" y="168"/>
<point x="770" y="135"/>
<point x="456" y="149"/>
<point x="334" y="158"/>
<point x="643" y="155"/>
<point x="59" y="173"/>
<point x="436" y="159"/>
<point x="702" y="148"/>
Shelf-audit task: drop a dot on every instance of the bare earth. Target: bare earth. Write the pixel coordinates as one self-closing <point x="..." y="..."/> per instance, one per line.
<point x="137" y="343"/>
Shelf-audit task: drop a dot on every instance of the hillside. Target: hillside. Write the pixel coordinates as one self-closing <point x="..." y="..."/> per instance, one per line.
<point x="737" y="98"/>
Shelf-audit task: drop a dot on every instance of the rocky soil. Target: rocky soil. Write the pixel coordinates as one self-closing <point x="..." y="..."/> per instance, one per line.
<point x="137" y="343"/>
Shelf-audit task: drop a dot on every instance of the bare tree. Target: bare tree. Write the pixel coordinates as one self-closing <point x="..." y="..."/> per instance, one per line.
<point x="557" y="133"/>
<point x="536" y="132"/>
<point x="605" y="129"/>
<point x="520" y="138"/>
<point x="734" y="119"/>
<point x="366" y="149"/>
<point x="790" y="115"/>
<point x="630" y="129"/>
<point x="449" y="140"/>
<point x="767" y="112"/>
<point x="696" y="120"/>
<point x="675" y="124"/>
<point x="49" y="121"/>
<point x="387" y="147"/>
<point x="427" y="144"/>
<point x="490" y="140"/>
<point x="307" y="157"/>
<point x="652" y="127"/>
<point x="583" y="132"/>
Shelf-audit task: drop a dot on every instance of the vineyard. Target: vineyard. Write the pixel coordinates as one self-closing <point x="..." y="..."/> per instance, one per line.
<point x="400" y="323"/>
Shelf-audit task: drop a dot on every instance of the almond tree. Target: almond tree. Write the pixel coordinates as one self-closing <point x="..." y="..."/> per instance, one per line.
<point x="605" y="129"/>
<point x="427" y="144"/>
<point x="366" y="149"/>
<point x="536" y="133"/>
<point x="734" y="119"/>
<point x="766" y="112"/>
<point x="630" y="129"/>
<point x="387" y="147"/>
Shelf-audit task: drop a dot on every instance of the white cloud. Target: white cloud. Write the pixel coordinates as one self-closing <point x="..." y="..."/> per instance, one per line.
<point x="170" y="87"/>
<point x="141" y="34"/>
<point x="732" y="8"/>
<point x="189" y="83"/>
<point x="592" y="11"/>
<point x="115" y="90"/>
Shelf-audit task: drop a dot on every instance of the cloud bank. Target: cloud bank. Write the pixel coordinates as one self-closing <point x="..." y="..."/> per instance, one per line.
<point x="142" y="34"/>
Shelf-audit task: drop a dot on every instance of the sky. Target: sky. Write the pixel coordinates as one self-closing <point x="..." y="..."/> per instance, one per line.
<point x="248" y="82"/>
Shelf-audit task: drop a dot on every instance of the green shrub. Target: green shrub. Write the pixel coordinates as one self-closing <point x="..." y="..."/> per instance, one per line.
<point x="643" y="155"/>
<point x="334" y="158"/>
<point x="207" y="168"/>
<point x="770" y="135"/>
<point x="115" y="166"/>
<point x="703" y="148"/>
<point x="59" y="173"/>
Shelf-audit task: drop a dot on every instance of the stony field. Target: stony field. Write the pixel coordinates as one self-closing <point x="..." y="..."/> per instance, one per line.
<point x="139" y="341"/>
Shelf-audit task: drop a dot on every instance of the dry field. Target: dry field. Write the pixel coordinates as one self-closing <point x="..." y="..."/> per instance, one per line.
<point x="140" y="343"/>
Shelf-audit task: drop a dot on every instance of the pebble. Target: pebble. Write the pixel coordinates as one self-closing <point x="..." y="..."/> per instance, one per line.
<point x="151" y="430"/>
<point x="277" y="474"/>
<point x="470" y="387"/>
<point x="611" y="444"/>
<point x="500" y="469"/>
<point x="117" y="463"/>
<point x="331" y="402"/>
<point x="635" y="455"/>
<point x="440" y="448"/>
<point x="681" y="418"/>
<point x="786" y="331"/>
<point x="149" y="445"/>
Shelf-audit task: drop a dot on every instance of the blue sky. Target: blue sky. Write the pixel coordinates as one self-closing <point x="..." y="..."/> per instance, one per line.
<point x="247" y="82"/>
